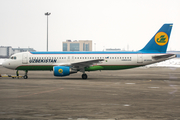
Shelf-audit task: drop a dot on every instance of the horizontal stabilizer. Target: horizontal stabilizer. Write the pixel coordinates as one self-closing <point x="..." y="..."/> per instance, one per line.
<point x="163" y="56"/>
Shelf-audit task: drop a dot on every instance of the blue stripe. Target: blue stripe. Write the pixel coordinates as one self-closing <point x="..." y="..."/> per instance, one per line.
<point x="95" y="52"/>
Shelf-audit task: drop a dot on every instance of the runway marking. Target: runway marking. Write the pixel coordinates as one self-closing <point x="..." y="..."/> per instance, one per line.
<point x="40" y="92"/>
<point x="89" y="119"/>
<point x="173" y="85"/>
<point x="126" y="105"/>
<point x="153" y="87"/>
<point x="130" y="83"/>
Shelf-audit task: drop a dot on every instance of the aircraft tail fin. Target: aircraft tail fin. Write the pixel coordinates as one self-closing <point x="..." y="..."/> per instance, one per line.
<point x="160" y="40"/>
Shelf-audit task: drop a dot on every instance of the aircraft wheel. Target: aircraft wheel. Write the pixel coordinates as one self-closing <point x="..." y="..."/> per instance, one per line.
<point x="84" y="76"/>
<point x="25" y="77"/>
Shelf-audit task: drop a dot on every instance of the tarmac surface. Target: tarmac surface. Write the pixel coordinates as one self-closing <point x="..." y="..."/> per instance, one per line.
<point x="140" y="94"/>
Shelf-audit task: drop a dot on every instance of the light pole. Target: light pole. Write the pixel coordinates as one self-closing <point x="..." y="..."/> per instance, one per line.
<point x="47" y="27"/>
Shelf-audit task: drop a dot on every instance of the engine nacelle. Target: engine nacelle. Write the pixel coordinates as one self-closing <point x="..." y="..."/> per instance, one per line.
<point x="61" y="70"/>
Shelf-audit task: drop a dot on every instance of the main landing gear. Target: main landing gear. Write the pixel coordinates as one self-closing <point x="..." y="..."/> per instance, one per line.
<point x="26" y="76"/>
<point x="84" y="76"/>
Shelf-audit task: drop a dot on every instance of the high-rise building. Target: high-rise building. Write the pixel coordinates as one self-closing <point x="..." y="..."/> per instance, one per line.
<point x="81" y="45"/>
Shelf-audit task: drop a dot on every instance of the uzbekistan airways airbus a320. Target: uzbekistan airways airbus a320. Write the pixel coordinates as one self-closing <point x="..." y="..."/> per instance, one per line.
<point x="66" y="63"/>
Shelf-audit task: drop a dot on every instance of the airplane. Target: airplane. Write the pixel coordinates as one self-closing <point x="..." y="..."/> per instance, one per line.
<point x="69" y="62"/>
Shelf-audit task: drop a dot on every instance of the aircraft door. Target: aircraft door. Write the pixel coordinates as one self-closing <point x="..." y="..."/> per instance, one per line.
<point x="139" y="58"/>
<point x="24" y="58"/>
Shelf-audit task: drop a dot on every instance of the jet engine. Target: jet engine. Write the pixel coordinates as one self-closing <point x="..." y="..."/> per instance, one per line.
<point x="63" y="70"/>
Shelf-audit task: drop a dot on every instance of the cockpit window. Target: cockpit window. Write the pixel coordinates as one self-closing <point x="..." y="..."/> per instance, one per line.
<point x="13" y="57"/>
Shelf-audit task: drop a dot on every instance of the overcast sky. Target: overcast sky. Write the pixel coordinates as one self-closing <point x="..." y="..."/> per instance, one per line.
<point x="109" y="23"/>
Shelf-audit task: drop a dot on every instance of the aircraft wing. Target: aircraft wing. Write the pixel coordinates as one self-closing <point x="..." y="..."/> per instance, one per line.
<point x="85" y="63"/>
<point x="81" y="64"/>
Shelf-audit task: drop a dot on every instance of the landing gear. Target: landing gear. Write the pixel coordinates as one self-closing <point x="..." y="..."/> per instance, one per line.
<point x="17" y="73"/>
<point x="25" y="76"/>
<point x="84" y="76"/>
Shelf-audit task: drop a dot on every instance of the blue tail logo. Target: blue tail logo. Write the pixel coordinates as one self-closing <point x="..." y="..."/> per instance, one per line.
<point x="161" y="38"/>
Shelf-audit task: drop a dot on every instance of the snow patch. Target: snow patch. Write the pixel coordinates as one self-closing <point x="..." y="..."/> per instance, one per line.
<point x="168" y="63"/>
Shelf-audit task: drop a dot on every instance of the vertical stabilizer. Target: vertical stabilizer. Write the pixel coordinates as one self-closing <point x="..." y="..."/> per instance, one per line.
<point x="160" y="40"/>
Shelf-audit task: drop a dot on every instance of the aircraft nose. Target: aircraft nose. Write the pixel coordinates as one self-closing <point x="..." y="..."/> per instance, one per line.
<point x="4" y="64"/>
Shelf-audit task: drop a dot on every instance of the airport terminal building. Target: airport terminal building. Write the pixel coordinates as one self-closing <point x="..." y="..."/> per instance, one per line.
<point x="81" y="45"/>
<point x="6" y="51"/>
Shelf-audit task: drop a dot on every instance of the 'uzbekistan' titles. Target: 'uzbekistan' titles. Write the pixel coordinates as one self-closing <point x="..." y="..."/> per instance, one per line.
<point x="42" y="60"/>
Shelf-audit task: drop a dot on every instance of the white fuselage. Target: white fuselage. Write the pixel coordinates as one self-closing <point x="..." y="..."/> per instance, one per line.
<point x="29" y="61"/>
